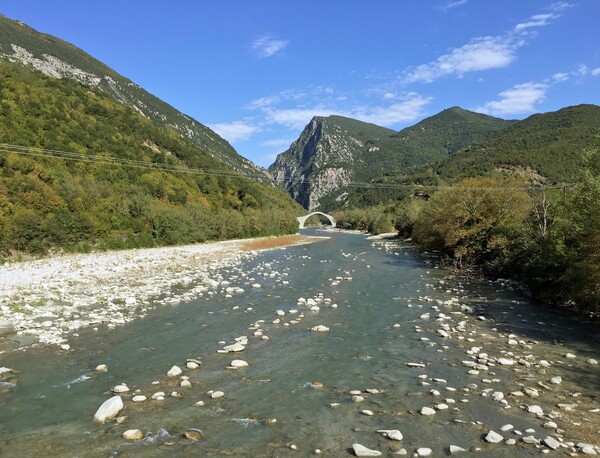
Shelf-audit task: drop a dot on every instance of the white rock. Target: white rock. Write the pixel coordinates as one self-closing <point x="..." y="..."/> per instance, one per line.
<point x="592" y="362"/>
<point x="361" y="450"/>
<point x="185" y="384"/>
<point x="368" y="413"/>
<point x="535" y="409"/>
<point x="133" y="435"/>
<point x="556" y="380"/>
<point x="493" y="437"/>
<point x="506" y="361"/>
<point x="392" y="434"/>
<point x="427" y="411"/>
<point x="454" y="449"/>
<point x="139" y="398"/>
<point x="101" y="368"/>
<point x="236" y="347"/>
<point x="122" y="388"/>
<point x="424" y="451"/>
<point x="507" y="427"/>
<point x="238" y="363"/>
<point x="321" y="328"/>
<point x="109" y="409"/>
<point x="174" y="371"/>
<point x="217" y="394"/>
<point x="550" y="442"/>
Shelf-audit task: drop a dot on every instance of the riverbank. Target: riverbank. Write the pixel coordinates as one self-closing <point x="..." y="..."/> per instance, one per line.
<point x="47" y="300"/>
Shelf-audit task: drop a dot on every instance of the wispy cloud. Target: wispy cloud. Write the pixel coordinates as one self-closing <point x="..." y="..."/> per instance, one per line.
<point x="519" y="99"/>
<point x="268" y="45"/>
<point x="277" y="143"/>
<point x="453" y="4"/>
<point x="287" y="112"/>
<point x="483" y="53"/>
<point x="235" y="131"/>
<point x="595" y="71"/>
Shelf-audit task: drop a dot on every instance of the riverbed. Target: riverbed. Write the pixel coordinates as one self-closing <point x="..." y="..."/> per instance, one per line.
<point x="345" y="341"/>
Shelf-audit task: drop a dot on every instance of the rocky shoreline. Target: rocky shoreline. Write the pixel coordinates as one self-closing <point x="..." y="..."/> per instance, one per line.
<point x="47" y="300"/>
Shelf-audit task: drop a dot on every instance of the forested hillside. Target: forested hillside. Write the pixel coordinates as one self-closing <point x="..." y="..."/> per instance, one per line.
<point x="126" y="182"/>
<point x="547" y="147"/>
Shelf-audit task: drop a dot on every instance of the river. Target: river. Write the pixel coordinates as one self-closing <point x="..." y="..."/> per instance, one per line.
<point x="383" y="306"/>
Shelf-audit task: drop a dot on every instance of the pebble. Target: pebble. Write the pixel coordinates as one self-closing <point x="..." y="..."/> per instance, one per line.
<point x="217" y="394"/>
<point x="392" y="434"/>
<point x="368" y="413"/>
<point x="427" y="411"/>
<point x="139" y="398"/>
<point x="319" y="328"/>
<point x="109" y="409"/>
<point x="133" y="435"/>
<point x="507" y="427"/>
<point x="551" y="443"/>
<point x="122" y="388"/>
<point x="424" y="451"/>
<point x="556" y="380"/>
<point x="535" y="409"/>
<point x="361" y="450"/>
<point x="174" y="371"/>
<point x="101" y="368"/>
<point x="454" y="449"/>
<point x="193" y="434"/>
<point x="493" y="437"/>
<point x="238" y="363"/>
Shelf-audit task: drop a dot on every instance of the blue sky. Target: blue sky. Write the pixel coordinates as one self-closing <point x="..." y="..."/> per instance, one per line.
<point x="257" y="71"/>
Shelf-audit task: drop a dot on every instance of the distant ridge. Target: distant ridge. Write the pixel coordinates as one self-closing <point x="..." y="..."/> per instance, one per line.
<point x="333" y="152"/>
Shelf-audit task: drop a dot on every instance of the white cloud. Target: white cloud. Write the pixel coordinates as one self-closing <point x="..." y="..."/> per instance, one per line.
<point x="453" y="4"/>
<point x="296" y="118"/>
<point x="481" y="54"/>
<point x="519" y="99"/>
<point x="277" y="143"/>
<point x="560" y="6"/>
<point x="235" y="131"/>
<point x="538" y="20"/>
<point x="389" y="95"/>
<point x="595" y="72"/>
<point x="268" y="45"/>
<point x="405" y="111"/>
<point x="560" y="76"/>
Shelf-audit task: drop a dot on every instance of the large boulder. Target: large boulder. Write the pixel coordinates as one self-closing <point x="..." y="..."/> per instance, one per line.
<point x="109" y="409"/>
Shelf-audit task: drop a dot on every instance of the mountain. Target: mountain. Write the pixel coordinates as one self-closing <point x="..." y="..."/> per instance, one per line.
<point x="58" y="59"/>
<point x="547" y="148"/>
<point x="335" y="154"/>
<point x="79" y="170"/>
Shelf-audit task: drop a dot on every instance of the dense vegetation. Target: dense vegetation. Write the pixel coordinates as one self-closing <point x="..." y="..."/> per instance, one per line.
<point x="164" y="198"/>
<point x="547" y="238"/>
<point x="545" y="147"/>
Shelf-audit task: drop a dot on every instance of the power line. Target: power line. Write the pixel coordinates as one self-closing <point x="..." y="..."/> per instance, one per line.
<point x="133" y="163"/>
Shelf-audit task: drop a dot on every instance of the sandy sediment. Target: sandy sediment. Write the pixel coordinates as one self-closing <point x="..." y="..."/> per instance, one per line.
<point x="47" y="299"/>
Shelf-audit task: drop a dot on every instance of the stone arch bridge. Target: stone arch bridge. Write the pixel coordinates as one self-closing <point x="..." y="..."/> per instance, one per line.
<point x="302" y="219"/>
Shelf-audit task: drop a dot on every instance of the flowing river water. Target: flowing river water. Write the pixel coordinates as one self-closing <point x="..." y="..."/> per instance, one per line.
<point x="383" y="305"/>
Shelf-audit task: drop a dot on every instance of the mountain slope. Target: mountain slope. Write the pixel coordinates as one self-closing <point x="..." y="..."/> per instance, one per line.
<point x="59" y="59"/>
<point x="333" y="154"/>
<point x="98" y="173"/>
<point x="547" y="147"/>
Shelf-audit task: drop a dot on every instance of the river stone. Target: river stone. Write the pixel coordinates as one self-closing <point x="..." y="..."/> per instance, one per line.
<point x="193" y="434"/>
<point x="368" y="413"/>
<point x="109" y="409"/>
<point x="592" y="362"/>
<point x="427" y="411"/>
<point x="122" y="388"/>
<point x="493" y="437"/>
<point x="321" y="328"/>
<point x="237" y="363"/>
<point x="454" y="449"/>
<point x="217" y="394"/>
<point x="506" y="361"/>
<point x="138" y="398"/>
<point x="550" y="442"/>
<point x="185" y="384"/>
<point x="101" y="368"/>
<point x="530" y="440"/>
<point x="361" y="450"/>
<point x="424" y="451"/>
<point x="234" y="348"/>
<point x="174" y="371"/>
<point x="535" y="409"/>
<point x="392" y="434"/>
<point x="507" y="427"/>
<point x="133" y="435"/>
<point x="556" y="380"/>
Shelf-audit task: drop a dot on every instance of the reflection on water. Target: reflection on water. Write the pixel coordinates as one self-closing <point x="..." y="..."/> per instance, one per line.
<point x="296" y="391"/>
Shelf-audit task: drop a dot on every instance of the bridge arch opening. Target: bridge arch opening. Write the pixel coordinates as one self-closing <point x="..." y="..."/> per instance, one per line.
<point x="302" y="219"/>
